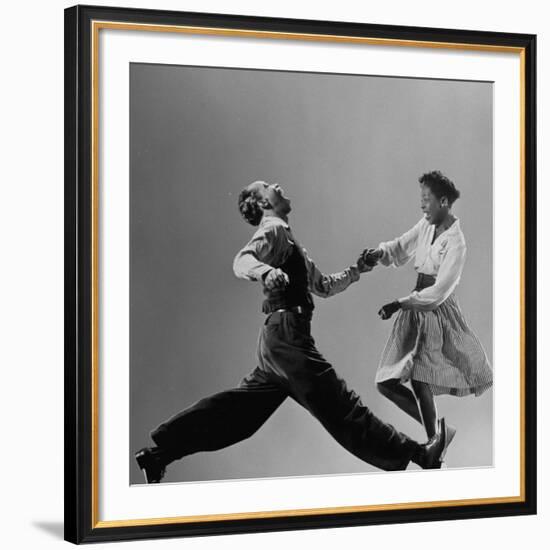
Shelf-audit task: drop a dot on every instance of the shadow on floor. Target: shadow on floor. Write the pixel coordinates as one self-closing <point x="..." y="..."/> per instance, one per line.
<point x="53" y="528"/>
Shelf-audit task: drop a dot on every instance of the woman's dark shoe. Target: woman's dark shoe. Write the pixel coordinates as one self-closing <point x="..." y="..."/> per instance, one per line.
<point x="150" y="462"/>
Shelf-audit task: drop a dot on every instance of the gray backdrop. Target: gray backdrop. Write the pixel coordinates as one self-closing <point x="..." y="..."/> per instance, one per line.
<point x="348" y="150"/>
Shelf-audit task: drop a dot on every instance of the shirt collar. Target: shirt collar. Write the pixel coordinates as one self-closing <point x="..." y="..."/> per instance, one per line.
<point x="273" y="220"/>
<point x="453" y="232"/>
<point x="455" y="227"/>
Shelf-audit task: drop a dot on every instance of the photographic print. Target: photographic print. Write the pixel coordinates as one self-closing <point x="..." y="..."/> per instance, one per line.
<point x="311" y="281"/>
<point x="300" y="266"/>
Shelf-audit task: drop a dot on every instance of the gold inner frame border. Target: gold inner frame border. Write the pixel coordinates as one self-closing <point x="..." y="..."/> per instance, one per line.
<point x="115" y="25"/>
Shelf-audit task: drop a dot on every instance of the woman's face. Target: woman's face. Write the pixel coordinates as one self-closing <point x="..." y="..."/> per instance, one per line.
<point x="434" y="209"/>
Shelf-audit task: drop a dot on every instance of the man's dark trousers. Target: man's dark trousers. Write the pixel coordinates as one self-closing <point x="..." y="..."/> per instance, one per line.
<point x="289" y="365"/>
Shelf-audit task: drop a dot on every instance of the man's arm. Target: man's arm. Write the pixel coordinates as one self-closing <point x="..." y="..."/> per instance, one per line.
<point x="324" y="285"/>
<point x="267" y="248"/>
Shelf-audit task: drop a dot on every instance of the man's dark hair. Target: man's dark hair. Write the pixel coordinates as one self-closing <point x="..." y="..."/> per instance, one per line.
<point x="249" y="208"/>
<point x="440" y="185"/>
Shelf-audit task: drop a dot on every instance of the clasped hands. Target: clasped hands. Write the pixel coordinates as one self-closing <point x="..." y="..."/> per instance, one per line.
<point x="368" y="259"/>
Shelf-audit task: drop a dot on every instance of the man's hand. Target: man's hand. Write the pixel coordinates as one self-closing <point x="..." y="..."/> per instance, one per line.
<point x="371" y="256"/>
<point x="388" y="310"/>
<point x="276" y="278"/>
<point x="362" y="265"/>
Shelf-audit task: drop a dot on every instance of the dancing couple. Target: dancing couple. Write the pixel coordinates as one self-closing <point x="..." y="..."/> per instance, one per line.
<point x="430" y="346"/>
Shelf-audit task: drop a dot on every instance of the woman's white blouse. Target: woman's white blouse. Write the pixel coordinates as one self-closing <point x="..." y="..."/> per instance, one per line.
<point x="443" y="259"/>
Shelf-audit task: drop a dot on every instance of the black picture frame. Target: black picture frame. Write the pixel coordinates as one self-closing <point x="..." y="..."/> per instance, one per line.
<point x="80" y="499"/>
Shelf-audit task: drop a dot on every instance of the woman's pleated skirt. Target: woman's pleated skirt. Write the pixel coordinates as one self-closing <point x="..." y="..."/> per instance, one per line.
<point x="436" y="347"/>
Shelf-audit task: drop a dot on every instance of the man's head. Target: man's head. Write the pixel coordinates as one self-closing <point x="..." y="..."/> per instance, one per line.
<point x="261" y="198"/>
<point x="437" y="195"/>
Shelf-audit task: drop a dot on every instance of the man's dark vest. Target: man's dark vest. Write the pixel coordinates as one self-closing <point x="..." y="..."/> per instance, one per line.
<point x="296" y="293"/>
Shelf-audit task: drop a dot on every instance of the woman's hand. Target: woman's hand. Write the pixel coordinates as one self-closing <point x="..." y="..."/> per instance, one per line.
<point x="388" y="310"/>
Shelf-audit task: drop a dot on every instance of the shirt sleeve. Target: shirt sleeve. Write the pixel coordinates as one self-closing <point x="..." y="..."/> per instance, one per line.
<point x="447" y="278"/>
<point x="264" y="251"/>
<point x="328" y="285"/>
<point x="399" y="251"/>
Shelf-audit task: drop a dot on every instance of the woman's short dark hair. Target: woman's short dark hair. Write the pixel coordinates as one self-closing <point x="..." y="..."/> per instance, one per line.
<point x="440" y="185"/>
<point x="249" y="208"/>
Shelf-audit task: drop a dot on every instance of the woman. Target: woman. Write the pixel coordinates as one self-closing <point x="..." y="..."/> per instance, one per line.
<point x="430" y="344"/>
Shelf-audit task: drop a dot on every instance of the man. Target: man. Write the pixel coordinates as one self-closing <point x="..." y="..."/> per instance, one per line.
<point x="288" y="361"/>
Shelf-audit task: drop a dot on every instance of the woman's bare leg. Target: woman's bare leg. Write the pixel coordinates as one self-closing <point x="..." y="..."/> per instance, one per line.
<point x="401" y="396"/>
<point x="426" y="404"/>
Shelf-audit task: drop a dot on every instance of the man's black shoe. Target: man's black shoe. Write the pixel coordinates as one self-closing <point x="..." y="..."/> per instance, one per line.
<point x="150" y="462"/>
<point x="431" y="456"/>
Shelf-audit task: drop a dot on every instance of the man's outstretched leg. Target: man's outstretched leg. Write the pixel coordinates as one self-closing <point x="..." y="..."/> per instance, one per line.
<point x="212" y="423"/>
<point x="313" y="382"/>
<point x="356" y="428"/>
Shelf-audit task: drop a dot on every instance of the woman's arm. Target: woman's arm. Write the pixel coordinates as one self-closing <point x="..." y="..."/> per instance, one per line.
<point x="447" y="279"/>
<point x="399" y="251"/>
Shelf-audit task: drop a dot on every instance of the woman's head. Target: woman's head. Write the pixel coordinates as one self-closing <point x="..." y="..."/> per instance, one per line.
<point x="438" y="193"/>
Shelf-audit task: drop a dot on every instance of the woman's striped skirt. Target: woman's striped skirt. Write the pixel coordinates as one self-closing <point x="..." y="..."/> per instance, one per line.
<point x="436" y="347"/>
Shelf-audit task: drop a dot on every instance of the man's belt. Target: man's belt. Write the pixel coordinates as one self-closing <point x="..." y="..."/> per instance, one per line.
<point x="276" y="314"/>
<point x="300" y="310"/>
<point x="293" y="309"/>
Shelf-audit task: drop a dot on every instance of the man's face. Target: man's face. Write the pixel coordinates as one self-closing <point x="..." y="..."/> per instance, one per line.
<point x="273" y="194"/>
<point x="432" y="207"/>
